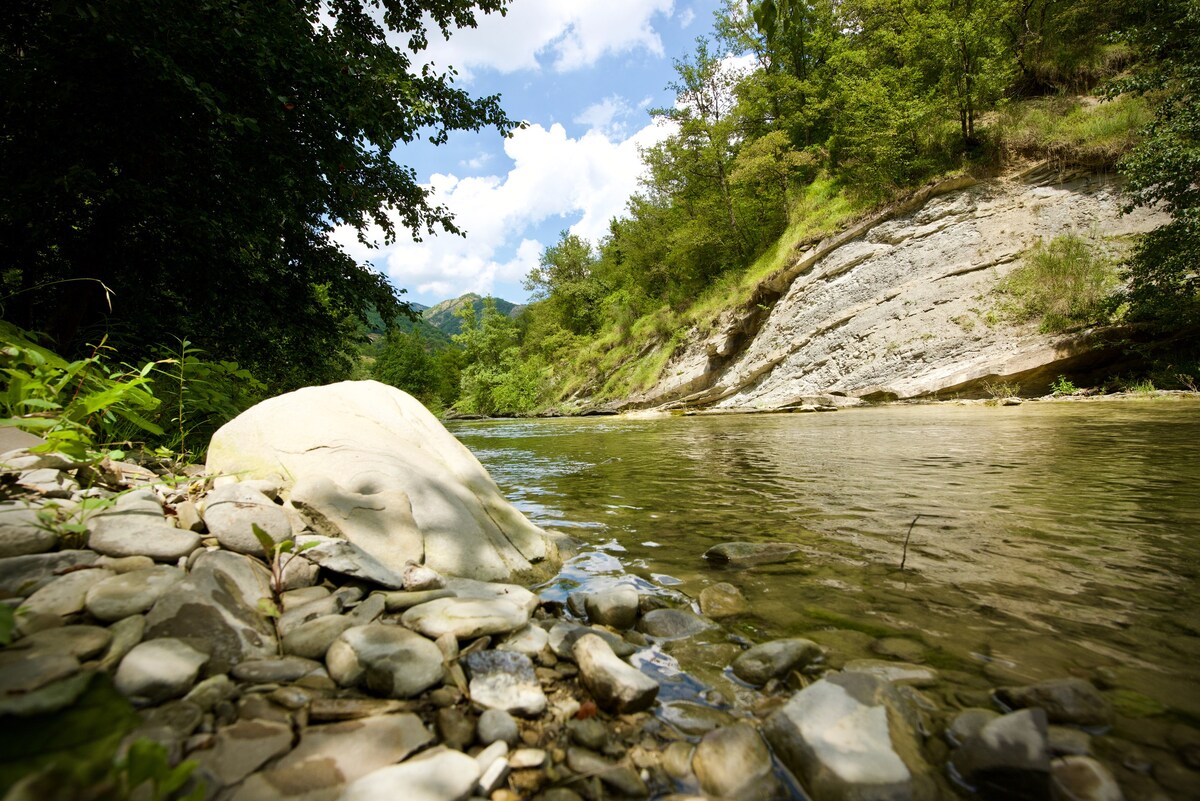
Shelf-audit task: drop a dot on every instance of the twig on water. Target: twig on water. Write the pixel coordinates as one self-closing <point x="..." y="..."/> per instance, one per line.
<point x="904" y="554"/>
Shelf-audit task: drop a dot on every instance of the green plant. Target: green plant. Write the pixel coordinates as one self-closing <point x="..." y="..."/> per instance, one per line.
<point x="1063" y="386"/>
<point x="278" y="555"/>
<point x="200" y="395"/>
<point x="146" y="773"/>
<point x="1142" y="386"/>
<point x="70" y="522"/>
<point x="76" y="406"/>
<point x="999" y="390"/>
<point x="1064" y="284"/>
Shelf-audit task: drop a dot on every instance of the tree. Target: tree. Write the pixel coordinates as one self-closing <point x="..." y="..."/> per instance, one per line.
<point x="193" y="156"/>
<point x="1164" y="170"/>
<point x="566" y="278"/>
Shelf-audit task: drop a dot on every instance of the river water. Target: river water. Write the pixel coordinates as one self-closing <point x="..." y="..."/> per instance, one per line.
<point x="1051" y="540"/>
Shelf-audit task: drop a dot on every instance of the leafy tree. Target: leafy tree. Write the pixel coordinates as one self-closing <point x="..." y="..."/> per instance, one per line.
<point x="567" y="279"/>
<point x="1164" y="271"/>
<point x="193" y="156"/>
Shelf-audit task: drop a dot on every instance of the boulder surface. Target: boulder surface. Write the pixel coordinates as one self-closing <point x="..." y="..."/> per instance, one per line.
<point x="369" y="463"/>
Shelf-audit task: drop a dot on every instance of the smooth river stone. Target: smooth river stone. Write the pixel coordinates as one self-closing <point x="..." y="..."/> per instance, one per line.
<point x="616" y="607"/>
<point x="312" y="638"/>
<point x="722" y="600"/>
<point x="134" y="534"/>
<point x="65" y="595"/>
<point x="23" y="575"/>
<point x="130" y="593"/>
<point x="616" y="686"/>
<point x="232" y="511"/>
<point x="157" y="670"/>
<point x="465" y="618"/>
<point x="21" y="533"/>
<point x="775" y="659"/>
<point x="386" y="660"/>
<point x="1069" y="700"/>
<point x="673" y="624"/>
<point x="746" y="554"/>
<point x="81" y="642"/>
<point x="895" y="672"/>
<point x="734" y="762"/>
<point x="442" y="775"/>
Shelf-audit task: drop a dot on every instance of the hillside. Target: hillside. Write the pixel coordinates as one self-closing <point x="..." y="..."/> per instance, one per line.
<point x="909" y="303"/>
<point x="443" y="316"/>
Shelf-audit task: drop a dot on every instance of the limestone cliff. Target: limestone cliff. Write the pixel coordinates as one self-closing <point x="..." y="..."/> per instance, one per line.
<point x="898" y="305"/>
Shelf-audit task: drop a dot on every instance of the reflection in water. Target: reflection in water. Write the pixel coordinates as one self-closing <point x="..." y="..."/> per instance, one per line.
<point x="1054" y="539"/>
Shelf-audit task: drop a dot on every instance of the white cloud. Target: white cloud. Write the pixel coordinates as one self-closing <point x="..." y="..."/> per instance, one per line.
<point x="586" y="179"/>
<point x="572" y="34"/>
<point x="607" y="116"/>
<point x="687" y="18"/>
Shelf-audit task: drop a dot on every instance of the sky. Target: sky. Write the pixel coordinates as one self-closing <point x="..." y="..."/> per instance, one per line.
<point x="583" y="75"/>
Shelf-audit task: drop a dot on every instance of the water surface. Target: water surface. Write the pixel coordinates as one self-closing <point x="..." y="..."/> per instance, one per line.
<point x="1053" y="539"/>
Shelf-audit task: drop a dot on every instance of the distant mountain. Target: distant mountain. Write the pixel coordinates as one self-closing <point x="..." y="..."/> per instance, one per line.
<point x="377" y="329"/>
<point x="442" y="315"/>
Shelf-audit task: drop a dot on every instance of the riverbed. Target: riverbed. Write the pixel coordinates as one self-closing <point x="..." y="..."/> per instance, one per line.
<point x="1001" y="545"/>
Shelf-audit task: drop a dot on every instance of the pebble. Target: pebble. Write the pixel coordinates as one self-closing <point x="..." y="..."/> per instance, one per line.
<point x="497" y="725"/>
<point x="505" y="680"/>
<point x="157" y="670"/>
<point x="130" y="593"/>
<point x="615" y="685"/>
<point x="385" y="660"/>
<point x="722" y="600"/>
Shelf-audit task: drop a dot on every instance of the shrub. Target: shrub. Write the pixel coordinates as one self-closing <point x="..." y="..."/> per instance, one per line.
<point x="1065" y="284"/>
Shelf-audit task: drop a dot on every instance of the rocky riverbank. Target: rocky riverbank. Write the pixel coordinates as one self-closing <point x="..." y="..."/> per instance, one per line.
<point x="301" y="666"/>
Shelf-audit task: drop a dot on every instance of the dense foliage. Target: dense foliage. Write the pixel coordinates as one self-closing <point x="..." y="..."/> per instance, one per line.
<point x="171" y="168"/>
<point x="1164" y="169"/>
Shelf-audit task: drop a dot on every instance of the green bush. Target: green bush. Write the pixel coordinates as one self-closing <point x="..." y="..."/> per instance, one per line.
<point x="1065" y="284"/>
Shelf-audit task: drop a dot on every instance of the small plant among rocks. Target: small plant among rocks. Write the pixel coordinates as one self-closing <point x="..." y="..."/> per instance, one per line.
<point x="1063" y="386"/>
<point x="279" y="555"/>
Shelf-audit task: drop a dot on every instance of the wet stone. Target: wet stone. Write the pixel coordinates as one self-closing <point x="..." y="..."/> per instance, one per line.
<point x="775" y="659"/>
<point x="616" y="685"/>
<point x="590" y="733"/>
<point x="694" y="719"/>
<point x="1010" y="754"/>
<point x="895" y="672"/>
<point x="620" y="778"/>
<point x="616" y="607"/>
<point x="564" y="634"/>
<point x="722" y="600"/>
<point x="734" y="762"/>
<point x="1065" y="700"/>
<point x="673" y="624"/>
<point x="968" y="723"/>
<point x="747" y="554"/>
<point x="900" y="648"/>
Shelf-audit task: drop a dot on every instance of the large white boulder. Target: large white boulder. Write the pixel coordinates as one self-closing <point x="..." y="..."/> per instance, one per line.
<point x="368" y="462"/>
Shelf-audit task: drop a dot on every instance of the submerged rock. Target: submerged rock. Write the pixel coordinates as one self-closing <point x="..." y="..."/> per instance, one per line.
<point x="722" y="600"/>
<point x="747" y="554"/>
<point x="616" y="607"/>
<point x="1065" y="701"/>
<point x="673" y="624"/>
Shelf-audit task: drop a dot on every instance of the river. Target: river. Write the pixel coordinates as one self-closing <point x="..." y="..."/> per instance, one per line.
<point x="1050" y="540"/>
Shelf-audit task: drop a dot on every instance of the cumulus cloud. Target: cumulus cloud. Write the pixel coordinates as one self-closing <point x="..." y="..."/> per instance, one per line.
<point x="584" y="181"/>
<point x="570" y="34"/>
<point x="609" y="116"/>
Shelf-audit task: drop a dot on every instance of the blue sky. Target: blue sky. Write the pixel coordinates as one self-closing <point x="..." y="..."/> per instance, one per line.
<point x="583" y="74"/>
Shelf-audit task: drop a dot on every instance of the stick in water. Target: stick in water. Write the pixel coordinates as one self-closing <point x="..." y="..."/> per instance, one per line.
<point x="904" y="554"/>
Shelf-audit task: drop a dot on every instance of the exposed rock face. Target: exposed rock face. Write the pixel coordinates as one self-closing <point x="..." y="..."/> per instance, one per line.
<point x="892" y="307"/>
<point x="369" y="463"/>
